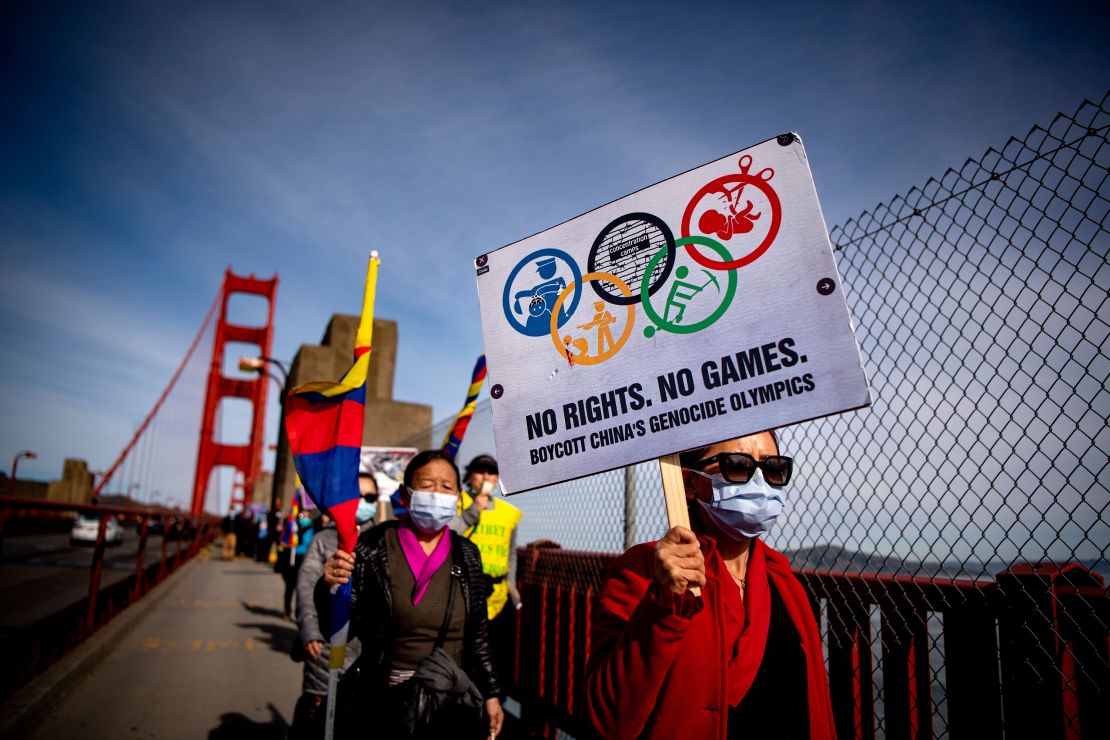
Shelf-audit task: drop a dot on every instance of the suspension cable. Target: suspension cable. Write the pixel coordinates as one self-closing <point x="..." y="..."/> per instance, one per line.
<point x="158" y="404"/>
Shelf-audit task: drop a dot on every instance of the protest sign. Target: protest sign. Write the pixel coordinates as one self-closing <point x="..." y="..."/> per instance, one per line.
<point x="702" y="308"/>
<point x="387" y="465"/>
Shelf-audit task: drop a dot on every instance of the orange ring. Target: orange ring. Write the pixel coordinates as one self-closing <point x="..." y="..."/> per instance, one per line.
<point x="586" y="359"/>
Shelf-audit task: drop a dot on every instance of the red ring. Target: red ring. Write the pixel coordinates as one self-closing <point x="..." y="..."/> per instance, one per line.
<point x="776" y="221"/>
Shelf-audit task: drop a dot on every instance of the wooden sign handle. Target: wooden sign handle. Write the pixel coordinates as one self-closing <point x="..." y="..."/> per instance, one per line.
<point x="674" y="493"/>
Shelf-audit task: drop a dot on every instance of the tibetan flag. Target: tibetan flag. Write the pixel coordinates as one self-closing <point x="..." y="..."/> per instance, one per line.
<point x="455" y="435"/>
<point x="323" y="421"/>
<point x="290" y="530"/>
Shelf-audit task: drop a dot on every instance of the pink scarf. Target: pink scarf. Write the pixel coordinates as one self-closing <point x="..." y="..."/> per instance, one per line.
<point x="423" y="566"/>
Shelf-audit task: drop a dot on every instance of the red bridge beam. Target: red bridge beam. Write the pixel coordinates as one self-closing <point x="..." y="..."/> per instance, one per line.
<point x="247" y="459"/>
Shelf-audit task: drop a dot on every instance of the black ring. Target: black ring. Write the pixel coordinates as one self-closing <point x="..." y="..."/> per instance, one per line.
<point x="621" y="300"/>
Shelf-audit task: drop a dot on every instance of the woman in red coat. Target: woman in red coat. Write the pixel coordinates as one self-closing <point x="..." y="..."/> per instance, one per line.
<point x="744" y="659"/>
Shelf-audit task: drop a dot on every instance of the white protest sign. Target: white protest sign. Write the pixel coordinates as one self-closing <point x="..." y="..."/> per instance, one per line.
<point x="387" y="465"/>
<point x="702" y="308"/>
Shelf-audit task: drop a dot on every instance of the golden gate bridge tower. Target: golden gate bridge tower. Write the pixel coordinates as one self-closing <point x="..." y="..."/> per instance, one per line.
<point x="245" y="458"/>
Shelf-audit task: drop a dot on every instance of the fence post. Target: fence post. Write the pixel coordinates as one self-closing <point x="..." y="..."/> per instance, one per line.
<point x="1083" y="618"/>
<point x="973" y="692"/>
<point x="907" y="701"/>
<point x="5" y="514"/>
<point x="1031" y="696"/>
<point x="850" y="669"/>
<point x="140" y="558"/>
<point x="162" y="562"/>
<point x="94" y="575"/>
<point x="629" y="506"/>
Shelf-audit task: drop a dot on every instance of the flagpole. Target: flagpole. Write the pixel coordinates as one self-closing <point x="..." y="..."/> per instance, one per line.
<point x="365" y="333"/>
<point x="341" y="595"/>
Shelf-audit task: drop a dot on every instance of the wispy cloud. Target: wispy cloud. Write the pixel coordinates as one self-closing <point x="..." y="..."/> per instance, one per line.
<point x="73" y="313"/>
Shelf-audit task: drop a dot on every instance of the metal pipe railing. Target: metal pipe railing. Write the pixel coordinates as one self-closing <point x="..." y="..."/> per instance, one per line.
<point x="1030" y="646"/>
<point x="101" y="603"/>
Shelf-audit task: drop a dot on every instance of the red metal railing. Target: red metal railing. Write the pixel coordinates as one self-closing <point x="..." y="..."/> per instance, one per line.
<point x="1005" y="670"/>
<point x="57" y="633"/>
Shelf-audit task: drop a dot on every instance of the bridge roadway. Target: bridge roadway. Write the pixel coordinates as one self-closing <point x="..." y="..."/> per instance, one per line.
<point x="41" y="574"/>
<point x="209" y="659"/>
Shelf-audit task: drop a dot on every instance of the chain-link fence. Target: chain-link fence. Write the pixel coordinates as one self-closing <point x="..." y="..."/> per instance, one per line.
<point x="980" y="302"/>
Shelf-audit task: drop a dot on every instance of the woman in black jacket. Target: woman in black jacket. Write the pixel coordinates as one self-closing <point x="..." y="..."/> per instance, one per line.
<point x="402" y="578"/>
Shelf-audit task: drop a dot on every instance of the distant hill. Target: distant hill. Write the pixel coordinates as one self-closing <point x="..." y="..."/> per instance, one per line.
<point x="834" y="557"/>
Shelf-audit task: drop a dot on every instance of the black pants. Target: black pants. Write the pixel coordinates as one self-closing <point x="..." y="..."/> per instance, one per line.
<point x="502" y="637"/>
<point x="289" y="573"/>
<point x="308" y="717"/>
<point x="262" y="550"/>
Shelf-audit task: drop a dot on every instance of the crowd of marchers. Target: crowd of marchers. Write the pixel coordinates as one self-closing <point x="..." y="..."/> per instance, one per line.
<point x="705" y="633"/>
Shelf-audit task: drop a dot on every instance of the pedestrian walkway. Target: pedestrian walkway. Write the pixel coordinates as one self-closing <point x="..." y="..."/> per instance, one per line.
<point x="210" y="660"/>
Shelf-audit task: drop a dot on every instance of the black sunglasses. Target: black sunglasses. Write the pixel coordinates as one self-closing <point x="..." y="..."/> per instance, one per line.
<point x="738" y="467"/>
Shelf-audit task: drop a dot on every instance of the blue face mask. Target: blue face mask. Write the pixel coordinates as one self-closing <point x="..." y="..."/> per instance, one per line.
<point x="305" y="522"/>
<point x="431" y="511"/>
<point x="743" y="509"/>
<point x="366" y="510"/>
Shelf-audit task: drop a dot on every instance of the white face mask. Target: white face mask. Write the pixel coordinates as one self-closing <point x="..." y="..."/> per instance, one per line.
<point x="743" y="509"/>
<point x="366" y="510"/>
<point x="430" y="510"/>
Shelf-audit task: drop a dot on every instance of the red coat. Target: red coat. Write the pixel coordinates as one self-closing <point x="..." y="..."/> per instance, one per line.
<point x="659" y="667"/>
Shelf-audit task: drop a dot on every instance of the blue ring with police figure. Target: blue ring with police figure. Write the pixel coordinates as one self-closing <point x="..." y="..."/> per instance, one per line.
<point x="534" y="302"/>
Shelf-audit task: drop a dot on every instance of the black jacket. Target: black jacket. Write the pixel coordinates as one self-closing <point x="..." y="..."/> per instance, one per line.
<point x="372" y="609"/>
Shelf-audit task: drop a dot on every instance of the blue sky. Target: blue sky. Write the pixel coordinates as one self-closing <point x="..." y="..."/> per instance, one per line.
<point x="147" y="146"/>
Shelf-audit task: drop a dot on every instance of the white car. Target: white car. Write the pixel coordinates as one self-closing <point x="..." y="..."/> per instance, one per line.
<point x="87" y="526"/>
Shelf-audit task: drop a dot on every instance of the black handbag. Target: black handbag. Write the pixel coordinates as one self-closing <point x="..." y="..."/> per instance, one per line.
<point x="419" y="703"/>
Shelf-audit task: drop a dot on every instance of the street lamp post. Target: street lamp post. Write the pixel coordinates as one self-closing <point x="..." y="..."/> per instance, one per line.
<point x="260" y="365"/>
<point x="15" y="464"/>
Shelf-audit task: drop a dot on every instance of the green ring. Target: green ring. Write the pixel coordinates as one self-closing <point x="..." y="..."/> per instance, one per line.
<point x="656" y="319"/>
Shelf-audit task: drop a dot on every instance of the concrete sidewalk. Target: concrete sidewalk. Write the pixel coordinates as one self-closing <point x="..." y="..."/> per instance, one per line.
<point x="211" y="660"/>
